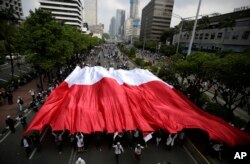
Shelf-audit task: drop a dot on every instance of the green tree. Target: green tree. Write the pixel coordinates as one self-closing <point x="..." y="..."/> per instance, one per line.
<point x="167" y="36"/>
<point x="8" y="28"/>
<point x="233" y="76"/>
<point x="44" y="41"/>
<point x="198" y="68"/>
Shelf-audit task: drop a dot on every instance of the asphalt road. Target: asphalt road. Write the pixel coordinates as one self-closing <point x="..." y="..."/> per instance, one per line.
<point x="5" y="71"/>
<point x="12" y="152"/>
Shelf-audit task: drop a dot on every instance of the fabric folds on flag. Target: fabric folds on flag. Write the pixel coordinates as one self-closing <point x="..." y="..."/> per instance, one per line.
<point x="96" y="99"/>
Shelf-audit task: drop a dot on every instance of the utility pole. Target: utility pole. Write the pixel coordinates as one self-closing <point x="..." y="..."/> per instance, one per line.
<point x="179" y="37"/>
<point x="145" y="30"/>
<point x="194" y="28"/>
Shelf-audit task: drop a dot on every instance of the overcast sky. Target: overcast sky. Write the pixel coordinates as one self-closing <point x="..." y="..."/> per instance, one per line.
<point x="183" y="8"/>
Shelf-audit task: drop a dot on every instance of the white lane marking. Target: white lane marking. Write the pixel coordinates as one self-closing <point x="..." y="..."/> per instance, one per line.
<point x="22" y="71"/>
<point x="6" y="135"/>
<point x="71" y="156"/>
<point x="3" y="80"/>
<point x="34" y="151"/>
<point x="14" y="75"/>
<point x="190" y="154"/>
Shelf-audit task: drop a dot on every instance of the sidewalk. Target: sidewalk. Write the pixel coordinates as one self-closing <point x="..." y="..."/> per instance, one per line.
<point x="12" y="109"/>
<point x="238" y="111"/>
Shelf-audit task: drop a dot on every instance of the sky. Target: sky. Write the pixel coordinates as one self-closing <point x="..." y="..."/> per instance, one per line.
<point x="183" y="8"/>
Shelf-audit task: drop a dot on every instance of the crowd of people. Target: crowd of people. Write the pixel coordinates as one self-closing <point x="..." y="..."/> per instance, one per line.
<point x="133" y="140"/>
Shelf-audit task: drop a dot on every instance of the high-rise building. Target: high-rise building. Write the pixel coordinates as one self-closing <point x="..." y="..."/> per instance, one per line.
<point x="156" y="18"/>
<point x="16" y="5"/>
<point x="132" y="24"/>
<point x="134" y="5"/>
<point x="119" y="23"/>
<point x="112" y="27"/>
<point x="67" y="11"/>
<point x="90" y="12"/>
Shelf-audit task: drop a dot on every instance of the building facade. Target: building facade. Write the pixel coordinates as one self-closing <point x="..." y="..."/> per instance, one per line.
<point x="16" y="5"/>
<point x="67" y="11"/>
<point x="132" y="24"/>
<point x="119" y="24"/>
<point x="98" y="29"/>
<point x="134" y="8"/>
<point x="90" y="12"/>
<point x="156" y="18"/>
<point x="218" y="37"/>
<point x="112" y="28"/>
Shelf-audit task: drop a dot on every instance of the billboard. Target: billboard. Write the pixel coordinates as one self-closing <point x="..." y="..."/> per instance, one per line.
<point x="136" y="23"/>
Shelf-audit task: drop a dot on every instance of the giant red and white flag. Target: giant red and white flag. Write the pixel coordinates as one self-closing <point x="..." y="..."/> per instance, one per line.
<point x="96" y="99"/>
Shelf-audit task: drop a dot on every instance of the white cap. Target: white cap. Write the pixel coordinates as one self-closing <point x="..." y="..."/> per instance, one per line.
<point x="8" y="116"/>
<point x="138" y="145"/>
<point x="118" y="143"/>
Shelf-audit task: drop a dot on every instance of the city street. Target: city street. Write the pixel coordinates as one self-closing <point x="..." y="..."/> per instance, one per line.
<point x="12" y="152"/>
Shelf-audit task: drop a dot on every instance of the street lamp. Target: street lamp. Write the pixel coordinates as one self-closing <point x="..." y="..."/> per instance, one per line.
<point x="194" y="28"/>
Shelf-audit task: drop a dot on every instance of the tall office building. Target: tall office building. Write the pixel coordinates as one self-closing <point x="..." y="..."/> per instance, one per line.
<point x="16" y="5"/>
<point x="90" y="12"/>
<point x="112" y="27"/>
<point x="132" y="24"/>
<point x="67" y="11"/>
<point x="119" y="23"/>
<point x="134" y="5"/>
<point x="156" y="18"/>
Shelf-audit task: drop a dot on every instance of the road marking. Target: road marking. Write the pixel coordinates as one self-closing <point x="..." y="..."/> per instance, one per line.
<point x="3" y="80"/>
<point x="190" y="154"/>
<point x="6" y="135"/>
<point x="22" y="71"/>
<point x="34" y="151"/>
<point x="71" y="156"/>
<point x="14" y="75"/>
<point x="5" y="68"/>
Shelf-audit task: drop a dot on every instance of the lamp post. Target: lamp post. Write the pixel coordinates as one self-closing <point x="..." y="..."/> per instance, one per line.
<point x="179" y="37"/>
<point x="145" y="30"/>
<point x="194" y="28"/>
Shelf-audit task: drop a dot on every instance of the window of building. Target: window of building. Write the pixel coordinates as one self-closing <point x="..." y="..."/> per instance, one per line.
<point x="235" y="35"/>
<point x="212" y="36"/>
<point x="219" y="35"/>
<point x="201" y="36"/>
<point x="246" y="35"/>
<point x="227" y="35"/>
<point x="196" y="36"/>
<point x="206" y="36"/>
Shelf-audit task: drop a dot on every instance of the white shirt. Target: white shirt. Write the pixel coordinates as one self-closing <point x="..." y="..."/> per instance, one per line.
<point x="118" y="149"/>
<point x="25" y="143"/>
<point x="80" y="161"/>
<point x="138" y="150"/>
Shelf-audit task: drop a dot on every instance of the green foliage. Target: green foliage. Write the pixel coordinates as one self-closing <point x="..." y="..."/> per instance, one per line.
<point x="167" y="35"/>
<point x="132" y="52"/>
<point x="168" y="50"/>
<point x="139" y="61"/>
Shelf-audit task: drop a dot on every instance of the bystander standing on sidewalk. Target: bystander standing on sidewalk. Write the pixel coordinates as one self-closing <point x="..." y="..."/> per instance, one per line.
<point x="10" y="98"/>
<point x="20" y="104"/>
<point x="32" y="93"/>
